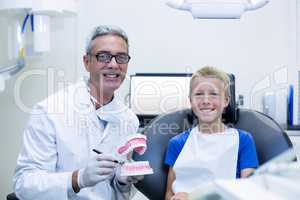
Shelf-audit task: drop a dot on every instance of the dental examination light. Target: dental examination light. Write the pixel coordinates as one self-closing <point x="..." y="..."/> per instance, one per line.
<point x="217" y="9"/>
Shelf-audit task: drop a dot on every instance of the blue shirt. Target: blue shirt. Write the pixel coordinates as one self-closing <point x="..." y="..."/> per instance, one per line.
<point x="247" y="157"/>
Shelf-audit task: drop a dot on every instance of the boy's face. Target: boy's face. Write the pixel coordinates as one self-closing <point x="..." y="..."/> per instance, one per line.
<point x="208" y="100"/>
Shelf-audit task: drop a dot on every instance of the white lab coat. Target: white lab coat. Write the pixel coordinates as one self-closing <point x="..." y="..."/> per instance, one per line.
<point x="59" y="138"/>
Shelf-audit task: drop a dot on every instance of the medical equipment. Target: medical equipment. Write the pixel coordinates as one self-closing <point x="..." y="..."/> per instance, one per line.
<point x="269" y="104"/>
<point x="39" y="13"/>
<point x="7" y="72"/>
<point x="217" y="9"/>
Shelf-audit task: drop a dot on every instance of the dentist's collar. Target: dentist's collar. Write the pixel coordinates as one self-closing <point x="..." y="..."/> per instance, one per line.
<point x="93" y="99"/>
<point x="109" y="112"/>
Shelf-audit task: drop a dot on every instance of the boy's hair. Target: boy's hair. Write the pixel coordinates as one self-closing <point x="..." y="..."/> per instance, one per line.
<point x="212" y="72"/>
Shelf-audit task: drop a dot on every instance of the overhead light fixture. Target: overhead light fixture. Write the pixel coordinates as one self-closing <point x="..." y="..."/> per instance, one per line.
<point x="217" y="9"/>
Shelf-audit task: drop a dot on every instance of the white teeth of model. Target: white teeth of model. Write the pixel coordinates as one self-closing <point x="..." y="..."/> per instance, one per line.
<point x="136" y="168"/>
<point x="138" y="145"/>
<point x="133" y="142"/>
<point x="128" y="150"/>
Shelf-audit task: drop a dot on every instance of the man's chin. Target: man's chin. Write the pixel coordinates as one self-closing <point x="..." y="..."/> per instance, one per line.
<point x="111" y="87"/>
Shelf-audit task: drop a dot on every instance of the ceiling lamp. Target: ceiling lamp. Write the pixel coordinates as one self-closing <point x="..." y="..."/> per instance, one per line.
<point x="217" y="9"/>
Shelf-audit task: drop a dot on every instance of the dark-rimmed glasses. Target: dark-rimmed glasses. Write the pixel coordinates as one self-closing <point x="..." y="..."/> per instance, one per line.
<point x="105" y="57"/>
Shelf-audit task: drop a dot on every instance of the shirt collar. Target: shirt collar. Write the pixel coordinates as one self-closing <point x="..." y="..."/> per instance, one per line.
<point x="108" y="112"/>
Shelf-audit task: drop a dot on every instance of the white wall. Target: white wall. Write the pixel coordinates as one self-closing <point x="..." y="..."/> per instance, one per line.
<point x="167" y="40"/>
<point x="34" y="88"/>
<point x="161" y="40"/>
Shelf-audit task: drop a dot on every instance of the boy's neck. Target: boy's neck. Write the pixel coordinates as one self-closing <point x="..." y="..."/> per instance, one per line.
<point x="211" y="128"/>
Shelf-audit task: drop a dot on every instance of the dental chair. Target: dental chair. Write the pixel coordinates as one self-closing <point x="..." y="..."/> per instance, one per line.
<point x="269" y="137"/>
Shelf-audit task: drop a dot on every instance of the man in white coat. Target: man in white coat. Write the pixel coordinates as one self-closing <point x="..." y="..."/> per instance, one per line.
<point x="58" y="159"/>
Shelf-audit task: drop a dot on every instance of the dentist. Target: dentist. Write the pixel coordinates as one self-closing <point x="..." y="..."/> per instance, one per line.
<point x="57" y="160"/>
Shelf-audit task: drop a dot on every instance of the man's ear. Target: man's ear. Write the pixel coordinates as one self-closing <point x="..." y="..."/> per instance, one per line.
<point x="86" y="61"/>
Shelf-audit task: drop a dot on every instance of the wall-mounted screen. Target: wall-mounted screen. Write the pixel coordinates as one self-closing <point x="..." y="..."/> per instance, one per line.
<point x="154" y="94"/>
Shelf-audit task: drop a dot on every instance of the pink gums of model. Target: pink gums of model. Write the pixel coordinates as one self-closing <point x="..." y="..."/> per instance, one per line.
<point x="136" y="142"/>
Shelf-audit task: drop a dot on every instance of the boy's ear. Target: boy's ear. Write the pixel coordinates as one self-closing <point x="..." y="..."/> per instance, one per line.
<point x="227" y="100"/>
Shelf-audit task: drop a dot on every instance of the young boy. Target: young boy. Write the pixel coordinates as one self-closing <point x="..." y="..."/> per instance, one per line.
<point x="211" y="150"/>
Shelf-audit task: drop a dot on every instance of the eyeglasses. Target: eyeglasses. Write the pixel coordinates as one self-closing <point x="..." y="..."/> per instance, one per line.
<point x="105" y="57"/>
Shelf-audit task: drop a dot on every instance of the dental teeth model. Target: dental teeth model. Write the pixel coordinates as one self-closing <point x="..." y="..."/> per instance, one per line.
<point x="135" y="143"/>
<point x="136" y="168"/>
<point x="138" y="144"/>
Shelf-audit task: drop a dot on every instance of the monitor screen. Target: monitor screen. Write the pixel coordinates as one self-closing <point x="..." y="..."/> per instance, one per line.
<point x="154" y="94"/>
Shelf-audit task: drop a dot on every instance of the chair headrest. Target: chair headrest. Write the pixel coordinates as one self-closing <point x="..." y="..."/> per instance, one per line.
<point x="230" y="114"/>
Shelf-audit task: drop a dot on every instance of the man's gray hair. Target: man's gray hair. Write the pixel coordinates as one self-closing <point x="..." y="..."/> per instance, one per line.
<point x="105" y="30"/>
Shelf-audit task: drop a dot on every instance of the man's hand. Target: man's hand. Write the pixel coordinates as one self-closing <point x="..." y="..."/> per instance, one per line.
<point x="127" y="179"/>
<point x="99" y="168"/>
<point x="180" y="196"/>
